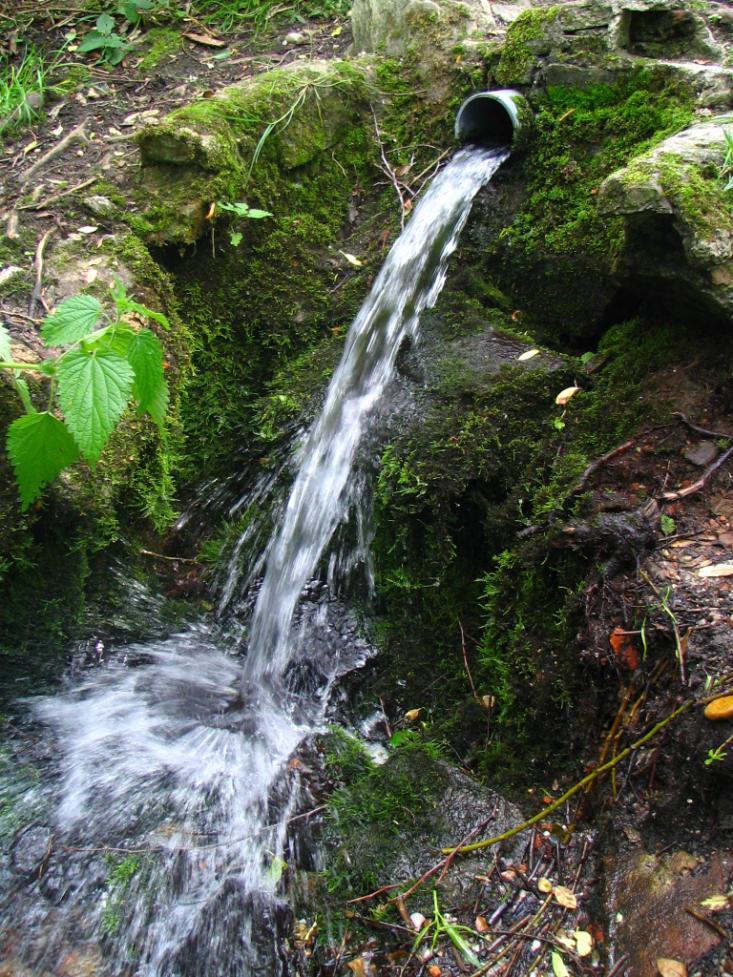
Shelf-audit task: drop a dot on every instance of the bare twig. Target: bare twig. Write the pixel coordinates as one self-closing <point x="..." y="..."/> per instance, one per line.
<point x="173" y="559"/>
<point x="36" y="294"/>
<point x="389" y="171"/>
<point x="76" y="133"/>
<point x="701" y="430"/>
<point x="465" y="663"/>
<point x="486" y="843"/>
<point x="599" y="462"/>
<point x="58" y="196"/>
<point x="701" y="482"/>
<point x="701" y="917"/>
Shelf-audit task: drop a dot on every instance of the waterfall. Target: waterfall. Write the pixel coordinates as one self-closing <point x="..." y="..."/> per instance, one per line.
<point x="410" y="281"/>
<point x="160" y="757"/>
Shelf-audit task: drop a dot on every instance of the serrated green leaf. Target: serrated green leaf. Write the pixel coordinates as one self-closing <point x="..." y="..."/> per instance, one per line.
<point x="94" y="390"/>
<point x="105" y="24"/>
<point x="25" y="395"/>
<point x="93" y="41"/>
<point x="71" y="321"/>
<point x="39" y="447"/>
<point x="150" y="389"/>
<point x="6" y="353"/>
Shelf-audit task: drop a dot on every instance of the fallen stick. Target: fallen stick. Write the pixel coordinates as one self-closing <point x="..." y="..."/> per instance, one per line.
<point x="77" y="133"/>
<point x="36" y="294"/>
<point x="488" y="842"/>
<point x="701" y="482"/>
<point x="58" y="196"/>
<point x="701" y="430"/>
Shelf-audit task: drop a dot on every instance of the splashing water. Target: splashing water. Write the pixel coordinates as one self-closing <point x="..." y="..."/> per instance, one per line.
<point x="165" y="759"/>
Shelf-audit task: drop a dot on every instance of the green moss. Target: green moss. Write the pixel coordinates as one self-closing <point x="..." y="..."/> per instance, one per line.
<point x="520" y="49"/>
<point x="374" y="813"/>
<point x="159" y="43"/>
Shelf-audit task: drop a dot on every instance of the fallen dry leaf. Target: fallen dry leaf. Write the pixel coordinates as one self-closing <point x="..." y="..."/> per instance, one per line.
<point x="412" y="715"/>
<point x="583" y="942"/>
<point x="481" y="925"/>
<point x="717" y="570"/>
<point x="544" y="885"/>
<point x="671" y="968"/>
<point x="715" y="903"/>
<point x="528" y="355"/>
<point x="417" y="920"/>
<point x="565" y="897"/>
<point x="208" y="41"/>
<point x="565" y="395"/>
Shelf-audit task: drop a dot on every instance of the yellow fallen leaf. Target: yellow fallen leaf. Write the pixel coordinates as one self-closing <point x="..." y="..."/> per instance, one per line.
<point x="412" y="715"/>
<point x="528" y="354"/>
<point x="488" y="701"/>
<point x="565" y="395"/>
<point x="352" y="259"/>
<point x="671" y="968"/>
<point x="565" y="897"/>
<point x="567" y="941"/>
<point x="481" y="925"/>
<point x="716" y="570"/>
<point x="544" y="885"/>
<point x="583" y="942"/>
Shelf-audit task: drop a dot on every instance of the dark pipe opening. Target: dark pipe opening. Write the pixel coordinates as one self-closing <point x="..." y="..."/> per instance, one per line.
<point x="485" y="122"/>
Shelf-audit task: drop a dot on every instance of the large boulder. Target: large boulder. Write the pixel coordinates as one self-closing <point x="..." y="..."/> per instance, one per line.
<point x="678" y="216"/>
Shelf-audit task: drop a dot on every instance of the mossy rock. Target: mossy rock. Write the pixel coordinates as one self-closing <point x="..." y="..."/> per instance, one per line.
<point x="678" y="217"/>
<point x="221" y="147"/>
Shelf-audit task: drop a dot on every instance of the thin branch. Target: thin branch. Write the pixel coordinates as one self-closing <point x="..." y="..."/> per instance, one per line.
<point x="478" y="845"/>
<point x="701" y="430"/>
<point x="701" y="482"/>
<point x="389" y="171"/>
<point x="58" y="196"/>
<point x="36" y="294"/>
<point x="77" y="133"/>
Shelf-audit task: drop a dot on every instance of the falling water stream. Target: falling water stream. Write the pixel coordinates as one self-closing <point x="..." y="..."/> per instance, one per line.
<point x="173" y="757"/>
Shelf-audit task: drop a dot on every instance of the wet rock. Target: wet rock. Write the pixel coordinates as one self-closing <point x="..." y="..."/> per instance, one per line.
<point x="648" y="896"/>
<point x="701" y="454"/>
<point x="30" y="849"/>
<point x="296" y="38"/>
<point x="81" y="962"/>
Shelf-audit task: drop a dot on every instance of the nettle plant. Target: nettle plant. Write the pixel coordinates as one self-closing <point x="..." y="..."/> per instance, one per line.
<point x="106" y="363"/>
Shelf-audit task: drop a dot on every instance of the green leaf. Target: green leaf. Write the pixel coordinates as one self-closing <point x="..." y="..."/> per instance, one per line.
<point x="71" y="321"/>
<point x="94" y="390"/>
<point x="130" y="305"/>
<point x="558" y="965"/>
<point x="105" y="24"/>
<point x="150" y="389"/>
<point x="235" y="238"/>
<point x="25" y="395"/>
<point x="258" y="214"/>
<point x="93" y="41"/>
<point x="6" y="353"/>
<point x="39" y="447"/>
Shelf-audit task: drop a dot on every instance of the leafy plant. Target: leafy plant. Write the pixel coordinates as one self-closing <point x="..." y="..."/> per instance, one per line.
<point x="715" y="755"/>
<point x="241" y="209"/>
<point x="104" y="38"/>
<point x="440" y="925"/>
<point x="92" y="381"/>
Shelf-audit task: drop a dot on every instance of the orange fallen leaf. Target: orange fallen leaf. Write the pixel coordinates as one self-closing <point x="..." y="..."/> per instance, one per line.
<point x="481" y="925"/>
<point x="721" y="708"/>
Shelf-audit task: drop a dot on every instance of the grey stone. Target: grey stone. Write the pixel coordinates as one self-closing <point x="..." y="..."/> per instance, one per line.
<point x="701" y="454"/>
<point x="99" y="205"/>
<point x="30" y="849"/>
